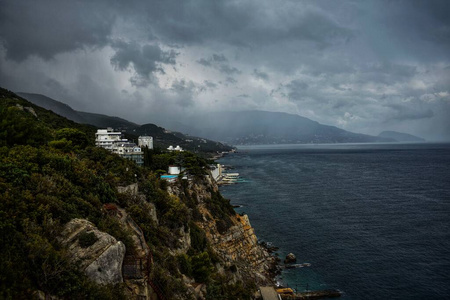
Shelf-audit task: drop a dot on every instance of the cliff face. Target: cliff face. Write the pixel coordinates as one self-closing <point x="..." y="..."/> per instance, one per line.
<point x="239" y="256"/>
<point x="237" y="246"/>
<point x="97" y="253"/>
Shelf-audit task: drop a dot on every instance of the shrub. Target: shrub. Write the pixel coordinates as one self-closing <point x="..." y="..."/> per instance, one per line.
<point x="87" y="239"/>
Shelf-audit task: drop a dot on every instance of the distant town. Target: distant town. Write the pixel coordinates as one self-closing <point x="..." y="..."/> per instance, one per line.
<point x="113" y="141"/>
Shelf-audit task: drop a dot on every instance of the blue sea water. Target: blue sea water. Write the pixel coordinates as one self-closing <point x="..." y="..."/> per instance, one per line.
<point x="372" y="219"/>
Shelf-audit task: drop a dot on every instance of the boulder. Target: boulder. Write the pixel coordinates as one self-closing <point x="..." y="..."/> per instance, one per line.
<point x="290" y="259"/>
<point x="101" y="259"/>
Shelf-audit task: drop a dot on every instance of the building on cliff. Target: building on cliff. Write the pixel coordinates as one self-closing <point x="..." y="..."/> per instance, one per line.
<point x="145" y="141"/>
<point x="129" y="151"/>
<point x="113" y="141"/>
<point x="216" y="172"/>
<point x="177" y="148"/>
<point x="105" y="138"/>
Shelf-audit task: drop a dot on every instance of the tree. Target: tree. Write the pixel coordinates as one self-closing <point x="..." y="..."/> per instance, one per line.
<point x="78" y="138"/>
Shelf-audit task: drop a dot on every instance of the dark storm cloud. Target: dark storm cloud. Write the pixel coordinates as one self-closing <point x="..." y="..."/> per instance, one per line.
<point x="185" y="91"/>
<point x="226" y="69"/>
<point x="220" y="63"/>
<point x="210" y="84"/>
<point x="45" y="28"/>
<point x="260" y="75"/>
<point x="296" y="89"/>
<point x="239" y="23"/>
<point x="345" y="63"/>
<point x="385" y="72"/>
<point x="231" y="80"/>
<point x="215" y="59"/>
<point x="145" y="60"/>
<point x="405" y="112"/>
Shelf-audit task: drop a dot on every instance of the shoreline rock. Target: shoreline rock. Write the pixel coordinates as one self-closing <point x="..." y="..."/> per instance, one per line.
<point x="290" y="259"/>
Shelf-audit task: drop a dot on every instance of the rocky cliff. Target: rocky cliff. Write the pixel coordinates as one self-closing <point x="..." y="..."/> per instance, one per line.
<point x="236" y="244"/>
<point x="97" y="253"/>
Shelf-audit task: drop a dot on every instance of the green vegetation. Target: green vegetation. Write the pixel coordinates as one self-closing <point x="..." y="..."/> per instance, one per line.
<point x="87" y="239"/>
<point x="50" y="173"/>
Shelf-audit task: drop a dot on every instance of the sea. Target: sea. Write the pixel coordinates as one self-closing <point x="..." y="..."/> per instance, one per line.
<point x="372" y="220"/>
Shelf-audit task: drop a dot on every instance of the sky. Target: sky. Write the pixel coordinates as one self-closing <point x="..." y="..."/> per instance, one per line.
<point x="364" y="66"/>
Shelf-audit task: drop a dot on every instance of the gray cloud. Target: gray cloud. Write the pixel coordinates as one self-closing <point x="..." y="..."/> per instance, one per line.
<point x="220" y="63"/>
<point x="296" y="89"/>
<point x="46" y="28"/>
<point x="360" y="65"/>
<point x="145" y="60"/>
<point x="404" y="113"/>
<point x="210" y="84"/>
<point x="226" y="69"/>
<point x="231" y="80"/>
<point x="260" y="75"/>
<point x="185" y="91"/>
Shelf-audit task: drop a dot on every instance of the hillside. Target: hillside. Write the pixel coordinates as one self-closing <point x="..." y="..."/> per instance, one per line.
<point x="400" y="137"/>
<point x="262" y="127"/>
<point x="55" y="106"/>
<point x="104" y="121"/>
<point x="162" y="137"/>
<point x="78" y="222"/>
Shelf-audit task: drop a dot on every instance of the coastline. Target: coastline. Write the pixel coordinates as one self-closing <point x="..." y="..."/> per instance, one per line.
<point x="273" y="262"/>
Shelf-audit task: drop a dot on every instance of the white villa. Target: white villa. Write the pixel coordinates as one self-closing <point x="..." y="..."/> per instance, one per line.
<point x="105" y="138"/>
<point x="113" y="141"/>
<point x="177" y="148"/>
<point x="216" y="172"/>
<point x="145" y="141"/>
<point x="174" y="170"/>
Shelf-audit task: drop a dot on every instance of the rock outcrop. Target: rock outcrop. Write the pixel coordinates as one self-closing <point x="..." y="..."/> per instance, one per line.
<point x="290" y="259"/>
<point x="101" y="257"/>
<point x="238" y="246"/>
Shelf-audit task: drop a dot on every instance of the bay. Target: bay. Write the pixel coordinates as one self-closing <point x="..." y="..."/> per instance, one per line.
<point x="372" y="219"/>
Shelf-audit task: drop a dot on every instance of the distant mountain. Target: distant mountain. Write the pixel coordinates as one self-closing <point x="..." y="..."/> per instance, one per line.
<point x="65" y="110"/>
<point x="55" y="106"/>
<point x="162" y="137"/>
<point x="262" y="127"/>
<point x="104" y="121"/>
<point x="400" y="136"/>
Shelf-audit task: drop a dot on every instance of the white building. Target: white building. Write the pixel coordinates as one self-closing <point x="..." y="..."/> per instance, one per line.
<point x="129" y="151"/>
<point x="112" y="141"/>
<point x="105" y="138"/>
<point x="216" y="172"/>
<point x="145" y="141"/>
<point x="174" y="170"/>
<point x="177" y="148"/>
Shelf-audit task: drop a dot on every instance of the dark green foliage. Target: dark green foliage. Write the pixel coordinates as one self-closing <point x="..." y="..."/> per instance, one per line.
<point x="193" y="164"/>
<point x="18" y="127"/>
<point x="218" y="290"/>
<point x="201" y="267"/>
<point x="77" y="137"/>
<point x="112" y="226"/>
<point x="198" y="238"/>
<point x="222" y="209"/>
<point x="184" y="264"/>
<point x="50" y="173"/>
<point x="87" y="239"/>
